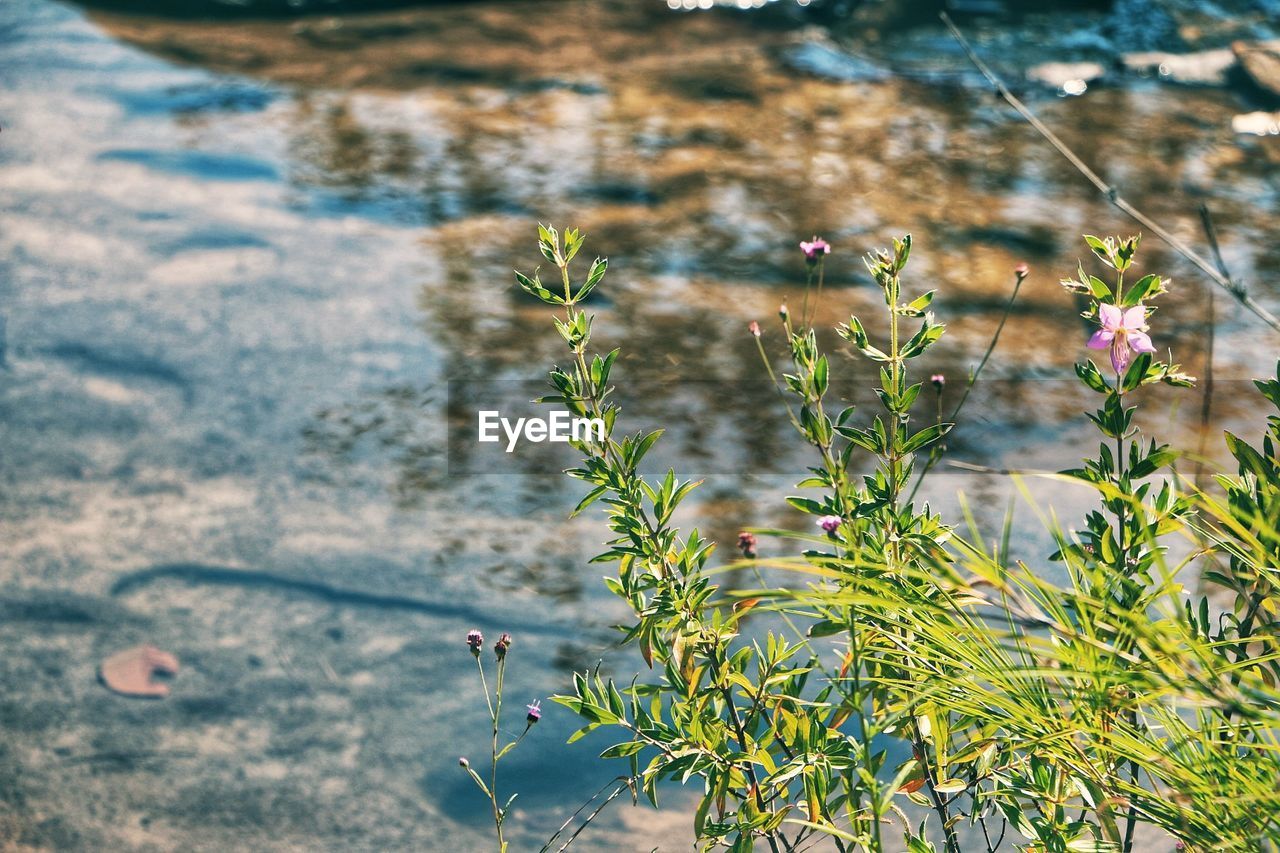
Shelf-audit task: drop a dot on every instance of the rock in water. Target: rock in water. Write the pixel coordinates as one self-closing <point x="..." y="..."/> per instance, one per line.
<point x="1205" y="68"/>
<point x="132" y="671"/>
<point x="1257" y="124"/>
<point x="1071" y="78"/>
<point x="1261" y="62"/>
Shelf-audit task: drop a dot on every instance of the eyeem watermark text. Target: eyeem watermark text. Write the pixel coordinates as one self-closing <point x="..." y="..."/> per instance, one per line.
<point x="559" y="427"/>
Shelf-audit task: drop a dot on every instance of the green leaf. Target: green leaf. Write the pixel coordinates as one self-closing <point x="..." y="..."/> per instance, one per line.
<point x="1137" y="372"/>
<point x="1139" y="290"/>
<point x="1101" y="249"/>
<point x="925" y="437"/>
<point x="588" y="500"/>
<point x="593" y="278"/>
<point x="808" y="505"/>
<point x="820" y="376"/>
<point x="923" y="339"/>
<point x="534" y="287"/>
<point x="1089" y="375"/>
<point x="642" y="446"/>
<point x="1096" y="286"/>
<point x="622" y="750"/>
<point x="917" y="306"/>
<point x="826" y="628"/>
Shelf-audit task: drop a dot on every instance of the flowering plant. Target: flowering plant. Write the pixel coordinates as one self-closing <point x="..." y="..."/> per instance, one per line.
<point x="894" y="676"/>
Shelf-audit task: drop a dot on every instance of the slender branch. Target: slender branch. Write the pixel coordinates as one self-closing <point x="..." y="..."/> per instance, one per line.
<point x="750" y="768"/>
<point x="625" y="783"/>
<point x="1235" y="288"/>
<point x="936" y="455"/>
<point x="1206" y="402"/>
<point x="498" y="816"/>
<point x="930" y="784"/>
<point x="616" y="792"/>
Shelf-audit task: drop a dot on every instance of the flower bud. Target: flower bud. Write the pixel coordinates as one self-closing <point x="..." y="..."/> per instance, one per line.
<point x="476" y="641"/>
<point x="504" y="643"/>
<point x="535" y="712"/>
<point x="1021" y="270"/>
<point x="815" y="249"/>
<point x="830" y="523"/>
<point x="747" y="544"/>
<point x="754" y="328"/>
<point x="462" y="762"/>
<point x="938" y="380"/>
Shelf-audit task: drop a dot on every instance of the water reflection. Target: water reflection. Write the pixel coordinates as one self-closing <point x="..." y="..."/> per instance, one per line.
<point x="243" y="280"/>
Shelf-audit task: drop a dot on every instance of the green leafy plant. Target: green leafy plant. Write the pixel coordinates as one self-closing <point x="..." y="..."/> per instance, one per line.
<point x="895" y="676"/>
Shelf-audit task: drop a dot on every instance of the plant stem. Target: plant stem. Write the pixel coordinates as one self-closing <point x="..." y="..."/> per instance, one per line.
<point x="930" y="784"/>
<point x="493" y="773"/>
<point x="936" y="455"/>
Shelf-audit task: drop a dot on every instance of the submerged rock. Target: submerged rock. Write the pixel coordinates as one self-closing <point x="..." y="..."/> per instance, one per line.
<point x="1071" y="78"/>
<point x="1204" y="68"/>
<point x="1261" y="62"/>
<point x="1257" y="124"/>
<point x="132" y="672"/>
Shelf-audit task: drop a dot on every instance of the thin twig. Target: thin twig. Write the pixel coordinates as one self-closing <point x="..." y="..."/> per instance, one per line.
<point x="1235" y="288"/>
<point x="936" y="456"/>
<point x="1206" y="403"/>
<point x="616" y="792"/>
<point x="624" y="782"/>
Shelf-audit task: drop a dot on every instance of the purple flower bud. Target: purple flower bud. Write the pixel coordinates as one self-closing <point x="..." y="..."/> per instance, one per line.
<point x="475" y="640"/>
<point x="535" y="712"/>
<point x="815" y="249"/>
<point x="504" y="643"/>
<point x="938" y="380"/>
<point x="830" y="523"/>
<point x="754" y="328"/>
<point x="747" y="544"/>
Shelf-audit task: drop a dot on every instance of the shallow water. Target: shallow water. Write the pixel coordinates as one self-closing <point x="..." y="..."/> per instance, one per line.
<point x="249" y="269"/>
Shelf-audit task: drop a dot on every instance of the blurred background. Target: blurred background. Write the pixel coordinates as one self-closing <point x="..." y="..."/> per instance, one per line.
<point x="251" y="249"/>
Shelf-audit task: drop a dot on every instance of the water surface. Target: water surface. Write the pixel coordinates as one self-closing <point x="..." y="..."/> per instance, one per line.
<point x="242" y="261"/>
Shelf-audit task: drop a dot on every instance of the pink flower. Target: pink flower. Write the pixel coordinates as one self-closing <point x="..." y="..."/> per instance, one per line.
<point x="475" y="640"/>
<point x="1021" y="270"/>
<point x="829" y="523"/>
<point x="754" y="328"/>
<point x="1122" y="332"/>
<point x="747" y="544"/>
<point x="938" y="380"/>
<point x="814" y="248"/>
<point x="535" y="712"/>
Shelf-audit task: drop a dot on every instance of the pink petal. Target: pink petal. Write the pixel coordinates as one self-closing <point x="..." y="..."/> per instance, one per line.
<point x="1101" y="339"/>
<point x="1111" y="316"/>
<point x="1140" y="342"/>
<point x="1135" y="317"/>
<point x="1119" y="355"/>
